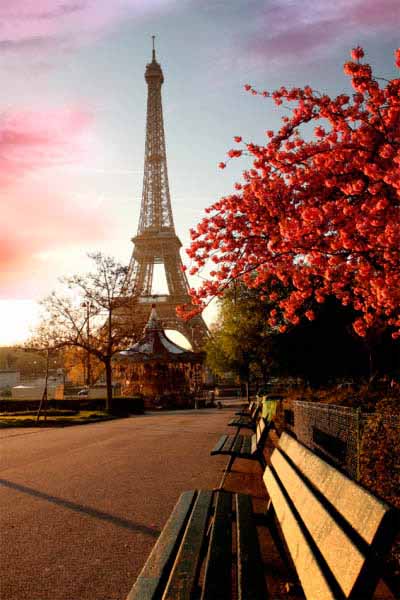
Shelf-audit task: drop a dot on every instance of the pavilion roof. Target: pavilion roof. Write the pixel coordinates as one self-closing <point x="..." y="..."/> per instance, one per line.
<point x="155" y="345"/>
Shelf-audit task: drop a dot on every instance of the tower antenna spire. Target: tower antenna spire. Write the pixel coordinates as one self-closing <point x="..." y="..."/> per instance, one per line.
<point x="153" y="37"/>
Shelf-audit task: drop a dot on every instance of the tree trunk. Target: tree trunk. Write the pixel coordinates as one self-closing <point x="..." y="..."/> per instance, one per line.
<point x="107" y="364"/>
<point x="372" y="372"/>
<point x="265" y="375"/>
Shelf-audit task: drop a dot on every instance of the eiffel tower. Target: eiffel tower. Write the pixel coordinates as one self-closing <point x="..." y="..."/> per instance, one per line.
<point x="156" y="241"/>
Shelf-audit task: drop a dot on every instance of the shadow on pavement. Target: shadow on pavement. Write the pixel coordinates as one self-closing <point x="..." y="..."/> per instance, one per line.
<point x="86" y="510"/>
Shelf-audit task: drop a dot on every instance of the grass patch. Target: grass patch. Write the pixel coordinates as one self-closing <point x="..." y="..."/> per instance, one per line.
<point x="53" y="418"/>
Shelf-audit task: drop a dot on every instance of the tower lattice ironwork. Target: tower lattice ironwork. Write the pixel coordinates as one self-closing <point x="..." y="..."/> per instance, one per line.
<point x="156" y="241"/>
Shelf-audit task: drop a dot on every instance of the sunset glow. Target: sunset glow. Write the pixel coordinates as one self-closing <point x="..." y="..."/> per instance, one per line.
<point x="72" y="118"/>
<point x="17" y="319"/>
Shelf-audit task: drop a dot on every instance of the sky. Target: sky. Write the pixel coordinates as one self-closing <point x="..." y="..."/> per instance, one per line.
<point x="73" y="112"/>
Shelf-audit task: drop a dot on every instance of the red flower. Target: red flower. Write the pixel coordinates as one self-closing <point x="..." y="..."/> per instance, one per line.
<point x="397" y="57"/>
<point x="357" y="53"/>
<point x="221" y="165"/>
<point x="319" y="131"/>
<point x="234" y="153"/>
<point x="318" y="216"/>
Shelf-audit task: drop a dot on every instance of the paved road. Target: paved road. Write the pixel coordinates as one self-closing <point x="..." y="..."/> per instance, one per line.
<point x="81" y="507"/>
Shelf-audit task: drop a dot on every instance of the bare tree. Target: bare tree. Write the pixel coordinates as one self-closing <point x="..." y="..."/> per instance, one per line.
<point x="44" y="344"/>
<point x="94" y="314"/>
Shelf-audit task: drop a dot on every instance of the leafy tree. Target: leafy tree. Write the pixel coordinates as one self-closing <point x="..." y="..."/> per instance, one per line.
<point x="327" y="347"/>
<point x="92" y="315"/>
<point x="241" y="342"/>
<point x="76" y="364"/>
<point x="324" y="348"/>
<point x="321" y="216"/>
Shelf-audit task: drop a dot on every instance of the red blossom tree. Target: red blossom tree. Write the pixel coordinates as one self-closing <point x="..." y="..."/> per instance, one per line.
<point x="321" y="216"/>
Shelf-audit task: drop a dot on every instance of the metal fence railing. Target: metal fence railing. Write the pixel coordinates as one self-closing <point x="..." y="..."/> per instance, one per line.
<point x="331" y="430"/>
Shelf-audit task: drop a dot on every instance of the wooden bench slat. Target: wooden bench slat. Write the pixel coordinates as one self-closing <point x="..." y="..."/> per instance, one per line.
<point x="247" y="445"/>
<point x="345" y="564"/>
<point x="253" y="444"/>
<point x="244" y="419"/>
<point x="262" y="430"/>
<point x="251" y="582"/>
<point x="248" y="421"/>
<point x="237" y="446"/>
<point x="156" y="569"/>
<point x="242" y="422"/>
<point x="183" y="577"/>
<point x="247" y="410"/>
<point x="219" y="444"/>
<point x="218" y="573"/>
<point x="312" y="578"/>
<point x="329" y="480"/>
<point x="230" y="441"/>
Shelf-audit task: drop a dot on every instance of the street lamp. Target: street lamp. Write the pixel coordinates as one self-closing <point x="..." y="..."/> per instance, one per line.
<point x="45" y="396"/>
<point x="88" y="306"/>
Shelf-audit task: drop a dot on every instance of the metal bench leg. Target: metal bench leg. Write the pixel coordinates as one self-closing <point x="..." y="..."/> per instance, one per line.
<point x="261" y="461"/>
<point x="227" y="470"/>
<point x="230" y="463"/>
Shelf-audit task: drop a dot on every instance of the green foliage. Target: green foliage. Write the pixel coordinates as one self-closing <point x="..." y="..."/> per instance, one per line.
<point x="316" y="351"/>
<point x="327" y="347"/>
<point x="241" y="342"/>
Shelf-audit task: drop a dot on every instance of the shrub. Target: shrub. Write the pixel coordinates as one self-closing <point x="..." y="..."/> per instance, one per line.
<point x="128" y="404"/>
<point x="379" y="458"/>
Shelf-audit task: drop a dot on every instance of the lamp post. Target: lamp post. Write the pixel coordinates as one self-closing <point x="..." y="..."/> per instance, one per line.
<point x="87" y="305"/>
<point x="45" y="398"/>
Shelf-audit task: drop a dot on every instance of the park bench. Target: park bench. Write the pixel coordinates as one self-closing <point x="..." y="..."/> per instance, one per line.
<point x="193" y="557"/>
<point x="249" y="447"/>
<point x="247" y="421"/>
<point x="337" y="534"/>
<point x="246" y="412"/>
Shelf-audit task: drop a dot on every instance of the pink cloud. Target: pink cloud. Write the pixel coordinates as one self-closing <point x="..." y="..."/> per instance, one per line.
<point x="41" y="24"/>
<point x="35" y="218"/>
<point x="36" y="226"/>
<point x="291" y="30"/>
<point x="32" y="140"/>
